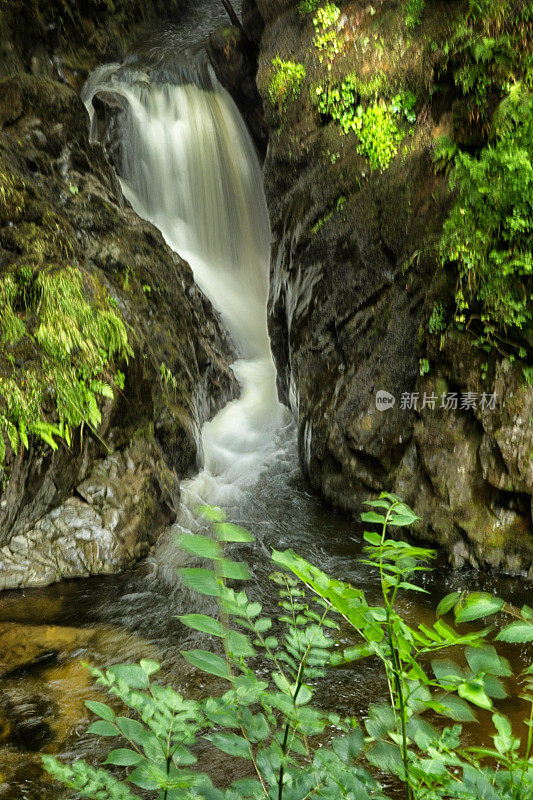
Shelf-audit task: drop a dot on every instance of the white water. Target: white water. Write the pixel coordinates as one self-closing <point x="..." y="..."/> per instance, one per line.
<point x="190" y="167"/>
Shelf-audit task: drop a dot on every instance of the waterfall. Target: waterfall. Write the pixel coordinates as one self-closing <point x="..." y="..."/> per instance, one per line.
<point x="189" y="166"/>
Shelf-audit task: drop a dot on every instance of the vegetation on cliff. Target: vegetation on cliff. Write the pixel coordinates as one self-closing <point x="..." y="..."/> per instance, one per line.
<point x="489" y="234"/>
<point x="69" y="344"/>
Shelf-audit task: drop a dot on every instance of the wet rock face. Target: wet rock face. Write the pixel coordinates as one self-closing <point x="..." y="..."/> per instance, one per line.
<point x="127" y="477"/>
<point x="354" y="279"/>
<point x="108" y="525"/>
<point x="67" y="41"/>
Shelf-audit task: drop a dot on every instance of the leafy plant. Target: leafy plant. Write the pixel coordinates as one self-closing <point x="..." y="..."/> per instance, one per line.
<point x="489" y="50"/>
<point x="326" y="40"/>
<point x="265" y="716"/>
<point x="401" y="741"/>
<point x="437" y="320"/>
<point x="285" y="83"/>
<point x="375" y="125"/>
<point x="306" y="6"/>
<point x="489" y="231"/>
<point x="71" y="344"/>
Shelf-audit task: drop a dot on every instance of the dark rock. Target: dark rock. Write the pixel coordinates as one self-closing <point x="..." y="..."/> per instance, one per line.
<point x="354" y="278"/>
<point x="234" y="59"/>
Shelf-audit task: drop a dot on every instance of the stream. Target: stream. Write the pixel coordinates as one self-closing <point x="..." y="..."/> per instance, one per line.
<point x="190" y="167"/>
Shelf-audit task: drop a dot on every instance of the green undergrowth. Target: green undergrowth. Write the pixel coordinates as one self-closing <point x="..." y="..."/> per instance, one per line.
<point x="326" y="218"/>
<point x="60" y="339"/>
<point x="285" y="82"/>
<point x="489" y="50"/>
<point x="414" y="10"/>
<point x="438" y="674"/>
<point x="306" y="6"/>
<point x="379" y="125"/>
<point x="488" y="235"/>
<point x="326" y="40"/>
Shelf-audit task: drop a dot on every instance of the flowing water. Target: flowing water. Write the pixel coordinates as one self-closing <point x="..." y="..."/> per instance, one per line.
<point x="189" y="166"/>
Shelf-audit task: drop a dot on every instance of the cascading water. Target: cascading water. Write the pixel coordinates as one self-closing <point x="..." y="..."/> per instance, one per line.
<point x="190" y="167"/>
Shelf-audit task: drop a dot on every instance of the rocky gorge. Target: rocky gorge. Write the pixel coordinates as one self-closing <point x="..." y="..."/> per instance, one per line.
<point x="355" y="277"/>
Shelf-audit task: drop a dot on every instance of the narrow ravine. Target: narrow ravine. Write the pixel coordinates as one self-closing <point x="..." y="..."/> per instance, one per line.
<point x="189" y="166"/>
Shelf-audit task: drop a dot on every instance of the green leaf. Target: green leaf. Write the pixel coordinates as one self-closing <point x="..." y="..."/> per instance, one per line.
<point x="453" y="707"/>
<point x="477" y="605"/>
<point x="144" y="778"/>
<point x="412" y="587"/>
<point x="132" y="729"/>
<point x="402" y="520"/>
<point x="197" y="545"/>
<point x="233" y="570"/>
<point x="386" y="756"/>
<point x="380" y="720"/>
<point x="239" y="644"/>
<point x="421" y="732"/>
<point x="504" y="741"/>
<point x="102" y="728"/>
<point x="447" y="671"/>
<point x="493" y="687"/>
<point x="517" y="633"/>
<point x="348" y="747"/>
<point x="351" y="654"/>
<point x="124" y="758"/>
<point x="132" y="674"/>
<point x="183" y="756"/>
<point x="231" y="744"/>
<point x="200" y="622"/>
<point x="150" y="667"/>
<point x="227" y="532"/>
<point x="447" y="603"/>
<point x="100" y="709"/>
<point x="372" y="538"/>
<point x="486" y="659"/>
<point x="374" y="517"/>
<point x="207" y="662"/>
<point x="282" y="683"/>
<point x="211" y="513"/>
<point x="475" y="694"/>
<point x="201" y="580"/>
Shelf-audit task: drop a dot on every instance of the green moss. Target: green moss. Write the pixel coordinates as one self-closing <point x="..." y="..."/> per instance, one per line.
<point x="414" y="9"/>
<point x="285" y="83"/>
<point x="12" y="200"/>
<point x="70" y="338"/>
<point x="326" y="40"/>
